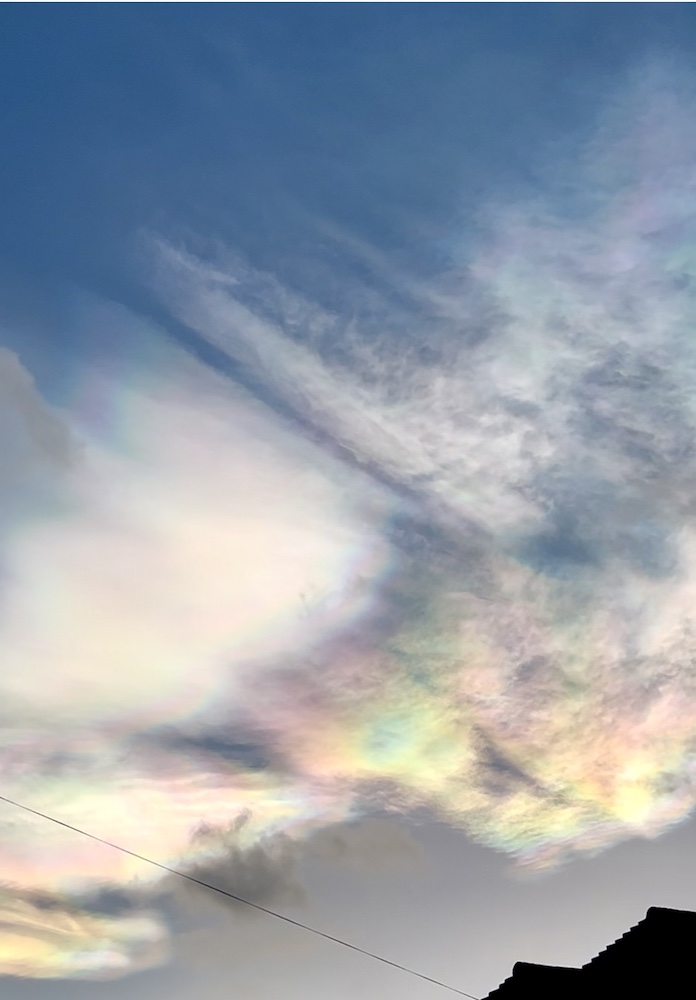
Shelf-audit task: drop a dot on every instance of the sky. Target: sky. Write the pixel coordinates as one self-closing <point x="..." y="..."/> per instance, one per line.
<point x="347" y="517"/>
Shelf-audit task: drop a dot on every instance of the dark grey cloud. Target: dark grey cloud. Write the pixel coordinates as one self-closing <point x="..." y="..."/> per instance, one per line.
<point x="270" y="872"/>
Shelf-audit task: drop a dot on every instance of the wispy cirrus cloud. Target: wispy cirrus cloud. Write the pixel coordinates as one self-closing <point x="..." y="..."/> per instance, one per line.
<point x="546" y="411"/>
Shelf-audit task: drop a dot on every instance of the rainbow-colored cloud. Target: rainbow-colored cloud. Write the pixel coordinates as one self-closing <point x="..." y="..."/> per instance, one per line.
<point x="453" y="571"/>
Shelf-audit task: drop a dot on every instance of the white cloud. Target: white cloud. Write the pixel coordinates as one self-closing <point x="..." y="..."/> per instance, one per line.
<point x="203" y="537"/>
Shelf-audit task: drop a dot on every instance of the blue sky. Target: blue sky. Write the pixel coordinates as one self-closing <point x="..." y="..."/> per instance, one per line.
<point x="347" y="400"/>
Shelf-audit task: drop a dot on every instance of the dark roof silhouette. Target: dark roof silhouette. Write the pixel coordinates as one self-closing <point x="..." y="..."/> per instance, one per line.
<point x="655" y="958"/>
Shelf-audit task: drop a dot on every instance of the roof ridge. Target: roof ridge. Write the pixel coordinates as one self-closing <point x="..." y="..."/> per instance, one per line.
<point x="613" y="944"/>
<point x="667" y="933"/>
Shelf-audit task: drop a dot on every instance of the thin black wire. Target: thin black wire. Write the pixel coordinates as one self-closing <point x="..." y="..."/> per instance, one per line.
<point x="238" y="899"/>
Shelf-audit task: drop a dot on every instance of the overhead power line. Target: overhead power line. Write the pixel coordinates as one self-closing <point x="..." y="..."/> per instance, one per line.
<point x="239" y="899"/>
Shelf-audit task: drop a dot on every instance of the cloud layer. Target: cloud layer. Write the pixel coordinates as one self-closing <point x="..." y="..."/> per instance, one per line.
<point x="448" y="563"/>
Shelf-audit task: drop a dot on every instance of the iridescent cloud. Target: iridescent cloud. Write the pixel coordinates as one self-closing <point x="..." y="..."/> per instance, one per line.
<point x="455" y="570"/>
<point x="170" y="537"/>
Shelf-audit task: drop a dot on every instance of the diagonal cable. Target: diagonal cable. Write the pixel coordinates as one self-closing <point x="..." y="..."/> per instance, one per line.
<point x="239" y="899"/>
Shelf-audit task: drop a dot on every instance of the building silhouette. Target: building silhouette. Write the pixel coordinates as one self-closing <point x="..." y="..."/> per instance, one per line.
<point x="653" y="959"/>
